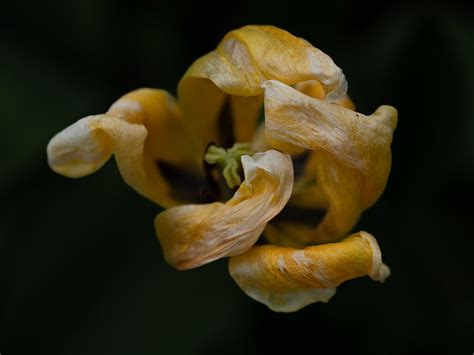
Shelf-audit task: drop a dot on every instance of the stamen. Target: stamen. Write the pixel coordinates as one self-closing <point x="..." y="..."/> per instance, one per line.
<point x="229" y="161"/>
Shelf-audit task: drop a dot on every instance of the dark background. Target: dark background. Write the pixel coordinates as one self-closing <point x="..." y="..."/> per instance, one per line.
<point x="80" y="268"/>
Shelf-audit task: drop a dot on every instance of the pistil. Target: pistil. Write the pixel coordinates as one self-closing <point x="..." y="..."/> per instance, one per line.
<point x="229" y="161"/>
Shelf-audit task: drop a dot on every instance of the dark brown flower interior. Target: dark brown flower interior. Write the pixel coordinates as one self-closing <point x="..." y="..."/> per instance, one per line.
<point x="206" y="187"/>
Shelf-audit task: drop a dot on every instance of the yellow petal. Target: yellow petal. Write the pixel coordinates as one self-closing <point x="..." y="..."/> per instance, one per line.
<point x="294" y="226"/>
<point x="245" y="113"/>
<point x="144" y="131"/>
<point x="314" y="89"/>
<point x="193" y="235"/>
<point x="305" y="192"/>
<point x="288" y="279"/>
<point x="352" y="157"/>
<point x="243" y="60"/>
<point x="80" y="149"/>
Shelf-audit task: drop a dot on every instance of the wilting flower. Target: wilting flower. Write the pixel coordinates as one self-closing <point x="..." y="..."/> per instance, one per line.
<point x="301" y="177"/>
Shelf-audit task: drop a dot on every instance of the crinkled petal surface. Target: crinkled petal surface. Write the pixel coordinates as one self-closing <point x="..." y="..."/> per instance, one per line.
<point x="314" y="89"/>
<point x="193" y="235"/>
<point x="243" y="60"/>
<point x="304" y="193"/>
<point x="287" y="279"/>
<point x="144" y="131"/>
<point x="351" y="159"/>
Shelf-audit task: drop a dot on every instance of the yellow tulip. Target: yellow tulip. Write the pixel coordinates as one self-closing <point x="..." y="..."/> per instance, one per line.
<point x="300" y="179"/>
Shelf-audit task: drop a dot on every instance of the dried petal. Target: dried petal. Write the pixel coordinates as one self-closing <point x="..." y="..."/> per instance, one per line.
<point x="288" y="279"/>
<point x="314" y="89"/>
<point x="243" y="60"/>
<point x="193" y="235"/>
<point x="352" y="156"/>
<point x="142" y="129"/>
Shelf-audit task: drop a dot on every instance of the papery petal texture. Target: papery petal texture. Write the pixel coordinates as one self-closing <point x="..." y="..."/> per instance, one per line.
<point x="193" y="235"/>
<point x="288" y="279"/>
<point x="305" y="193"/>
<point x="144" y="131"/>
<point x="352" y="157"/>
<point x="243" y="60"/>
<point x="314" y="89"/>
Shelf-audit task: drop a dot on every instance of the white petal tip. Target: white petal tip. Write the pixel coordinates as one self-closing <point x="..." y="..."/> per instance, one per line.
<point x="78" y="150"/>
<point x="379" y="271"/>
<point x="383" y="274"/>
<point x="268" y="83"/>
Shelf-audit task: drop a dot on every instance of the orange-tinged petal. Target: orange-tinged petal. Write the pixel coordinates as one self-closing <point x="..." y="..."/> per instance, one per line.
<point x="314" y="89"/>
<point x="305" y="192"/>
<point x="245" y="112"/>
<point x="243" y="60"/>
<point x="144" y="131"/>
<point x="289" y="233"/>
<point x="288" y="279"/>
<point x="193" y="235"/>
<point x="352" y="157"/>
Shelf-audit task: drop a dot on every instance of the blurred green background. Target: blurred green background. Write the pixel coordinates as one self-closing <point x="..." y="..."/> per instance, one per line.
<point x="81" y="270"/>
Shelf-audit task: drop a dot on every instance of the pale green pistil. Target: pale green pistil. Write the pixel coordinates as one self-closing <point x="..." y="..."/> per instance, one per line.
<point x="229" y="161"/>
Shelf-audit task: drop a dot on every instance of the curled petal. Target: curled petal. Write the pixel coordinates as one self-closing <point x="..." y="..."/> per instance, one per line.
<point x="288" y="279"/>
<point x="351" y="137"/>
<point x="143" y="129"/>
<point x="193" y="235"/>
<point x="352" y="156"/>
<point x="306" y="194"/>
<point x="80" y="149"/>
<point x="250" y="55"/>
<point x="242" y="61"/>
<point x="314" y="89"/>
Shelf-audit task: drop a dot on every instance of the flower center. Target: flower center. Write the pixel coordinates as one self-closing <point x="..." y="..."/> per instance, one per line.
<point x="229" y="161"/>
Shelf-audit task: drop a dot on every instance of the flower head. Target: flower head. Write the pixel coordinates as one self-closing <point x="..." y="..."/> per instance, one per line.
<point x="301" y="178"/>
